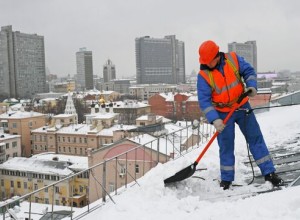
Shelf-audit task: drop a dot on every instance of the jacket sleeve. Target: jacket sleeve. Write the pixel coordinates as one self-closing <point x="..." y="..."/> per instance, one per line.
<point x="247" y="72"/>
<point x="204" y="99"/>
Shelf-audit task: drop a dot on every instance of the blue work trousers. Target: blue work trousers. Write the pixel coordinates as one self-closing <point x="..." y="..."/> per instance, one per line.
<point x="252" y="133"/>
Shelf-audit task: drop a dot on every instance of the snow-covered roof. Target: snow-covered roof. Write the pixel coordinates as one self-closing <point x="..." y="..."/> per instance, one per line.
<point x="77" y="162"/>
<point x="19" y="115"/>
<point x="37" y="166"/>
<point x="74" y="129"/>
<point x="109" y="131"/>
<point x="129" y="104"/>
<point x="165" y="146"/>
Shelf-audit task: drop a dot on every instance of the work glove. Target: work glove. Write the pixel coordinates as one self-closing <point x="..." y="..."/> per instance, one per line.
<point x="219" y="125"/>
<point x="253" y="91"/>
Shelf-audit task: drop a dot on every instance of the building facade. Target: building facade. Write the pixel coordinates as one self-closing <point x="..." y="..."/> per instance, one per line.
<point x="176" y="106"/>
<point x="248" y="50"/>
<point x="160" y="60"/>
<point x="84" y="63"/>
<point x="21" y="123"/>
<point x="22" y="64"/>
<point x="144" y="92"/>
<point x="20" y="176"/>
<point x="109" y="71"/>
<point x="10" y="146"/>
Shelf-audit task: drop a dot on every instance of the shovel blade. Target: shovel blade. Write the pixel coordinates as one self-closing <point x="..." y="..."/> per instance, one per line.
<point x="182" y="174"/>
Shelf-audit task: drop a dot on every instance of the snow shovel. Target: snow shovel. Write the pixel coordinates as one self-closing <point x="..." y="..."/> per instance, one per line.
<point x="190" y="170"/>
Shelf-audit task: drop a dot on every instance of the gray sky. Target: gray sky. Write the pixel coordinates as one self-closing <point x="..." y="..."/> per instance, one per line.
<point x="109" y="28"/>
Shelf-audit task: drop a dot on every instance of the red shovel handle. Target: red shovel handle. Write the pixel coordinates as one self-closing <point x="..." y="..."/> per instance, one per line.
<point x="235" y="106"/>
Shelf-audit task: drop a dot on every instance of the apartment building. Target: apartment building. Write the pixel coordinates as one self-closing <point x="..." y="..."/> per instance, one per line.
<point x="20" y="176"/>
<point x="144" y="92"/>
<point x="160" y="60"/>
<point x="10" y="146"/>
<point x="22" y="123"/>
<point x="23" y="72"/>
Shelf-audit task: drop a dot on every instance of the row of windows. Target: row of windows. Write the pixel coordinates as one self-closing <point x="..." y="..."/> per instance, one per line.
<point x="29" y="175"/>
<point x="25" y="185"/>
<point x="64" y="150"/>
<point x="74" y="139"/>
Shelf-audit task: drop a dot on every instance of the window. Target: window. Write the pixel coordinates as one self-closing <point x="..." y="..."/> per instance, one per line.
<point x="25" y="185"/>
<point x="69" y="140"/>
<point x="74" y="139"/>
<point x="56" y="189"/>
<point x="56" y="202"/>
<point x="46" y="189"/>
<point x="46" y="201"/>
<point x="35" y="186"/>
<point x="137" y="168"/>
<point x="14" y="144"/>
<point x="123" y="169"/>
<point x="111" y="187"/>
<point x="75" y="150"/>
<point x="12" y="184"/>
<point x="15" y="154"/>
<point x="2" y="182"/>
<point x="7" y="145"/>
<point x="19" y="184"/>
<point x="30" y="124"/>
<point x="14" y="125"/>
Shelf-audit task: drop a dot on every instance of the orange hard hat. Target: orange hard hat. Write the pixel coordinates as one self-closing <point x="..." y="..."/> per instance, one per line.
<point x="208" y="51"/>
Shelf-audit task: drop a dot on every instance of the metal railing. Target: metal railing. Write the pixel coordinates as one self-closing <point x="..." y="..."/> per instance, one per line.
<point x="129" y="166"/>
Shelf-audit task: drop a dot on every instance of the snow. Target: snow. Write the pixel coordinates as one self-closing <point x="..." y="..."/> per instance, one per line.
<point x="195" y="198"/>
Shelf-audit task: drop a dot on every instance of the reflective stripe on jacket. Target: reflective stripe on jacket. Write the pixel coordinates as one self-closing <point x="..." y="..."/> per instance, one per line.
<point x="226" y="88"/>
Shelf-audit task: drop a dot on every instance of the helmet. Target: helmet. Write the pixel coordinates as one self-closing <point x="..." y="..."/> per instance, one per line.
<point x="208" y="51"/>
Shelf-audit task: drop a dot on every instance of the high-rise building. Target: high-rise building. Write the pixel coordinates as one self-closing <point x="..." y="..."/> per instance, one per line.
<point x="160" y="60"/>
<point x="247" y="50"/>
<point x="84" y="62"/>
<point x="22" y="64"/>
<point x="109" y="71"/>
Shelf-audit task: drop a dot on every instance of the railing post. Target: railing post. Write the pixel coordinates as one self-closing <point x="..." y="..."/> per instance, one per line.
<point x="104" y="182"/>
<point x="72" y="199"/>
<point x="158" y="150"/>
<point x="30" y="207"/>
<point x="88" y="191"/>
<point x="116" y="177"/>
<point x="126" y="169"/>
<point x="53" y="197"/>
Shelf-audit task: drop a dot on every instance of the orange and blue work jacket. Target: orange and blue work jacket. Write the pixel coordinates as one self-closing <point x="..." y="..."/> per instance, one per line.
<point x="219" y="88"/>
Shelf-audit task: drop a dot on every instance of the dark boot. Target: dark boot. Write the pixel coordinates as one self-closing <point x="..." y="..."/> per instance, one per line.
<point x="274" y="179"/>
<point x="225" y="184"/>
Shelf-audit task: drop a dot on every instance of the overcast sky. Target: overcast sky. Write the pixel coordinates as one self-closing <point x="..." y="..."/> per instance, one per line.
<point x="109" y="27"/>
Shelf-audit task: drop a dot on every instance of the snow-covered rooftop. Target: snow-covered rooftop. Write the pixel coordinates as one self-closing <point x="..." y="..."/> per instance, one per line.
<point x="19" y="114"/>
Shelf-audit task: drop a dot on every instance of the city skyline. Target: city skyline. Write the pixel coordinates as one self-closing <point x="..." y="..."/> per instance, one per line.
<point x="109" y="29"/>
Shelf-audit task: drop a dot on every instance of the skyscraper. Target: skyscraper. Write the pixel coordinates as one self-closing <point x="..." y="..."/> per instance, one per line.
<point x="247" y="50"/>
<point x="84" y="62"/>
<point x="22" y="64"/>
<point x="160" y="60"/>
<point x="109" y="71"/>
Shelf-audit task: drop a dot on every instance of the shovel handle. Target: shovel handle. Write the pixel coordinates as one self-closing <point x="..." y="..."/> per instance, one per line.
<point x="235" y="106"/>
